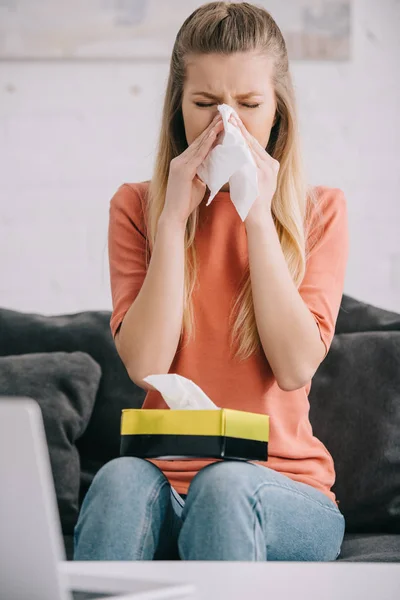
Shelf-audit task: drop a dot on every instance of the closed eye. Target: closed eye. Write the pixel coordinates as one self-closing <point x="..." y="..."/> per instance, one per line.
<point x="207" y="105"/>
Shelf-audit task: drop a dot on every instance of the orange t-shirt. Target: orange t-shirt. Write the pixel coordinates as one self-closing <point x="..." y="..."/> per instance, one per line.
<point x="250" y="385"/>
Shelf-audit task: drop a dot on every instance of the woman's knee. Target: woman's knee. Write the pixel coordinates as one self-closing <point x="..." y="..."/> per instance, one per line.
<point x="223" y="480"/>
<point x="125" y="474"/>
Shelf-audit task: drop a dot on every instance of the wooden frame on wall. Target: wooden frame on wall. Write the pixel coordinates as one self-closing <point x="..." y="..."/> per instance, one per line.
<point x="145" y="29"/>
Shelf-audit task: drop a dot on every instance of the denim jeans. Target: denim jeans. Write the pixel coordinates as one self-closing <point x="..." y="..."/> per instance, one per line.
<point x="233" y="511"/>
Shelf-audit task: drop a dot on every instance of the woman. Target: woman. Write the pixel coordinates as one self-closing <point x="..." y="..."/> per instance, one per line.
<point x="247" y="310"/>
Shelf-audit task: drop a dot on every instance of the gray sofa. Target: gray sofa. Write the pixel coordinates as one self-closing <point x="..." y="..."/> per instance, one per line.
<point x="69" y="364"/>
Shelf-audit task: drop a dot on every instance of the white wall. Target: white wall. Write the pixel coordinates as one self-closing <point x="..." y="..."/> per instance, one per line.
<point x="70" y="133"/>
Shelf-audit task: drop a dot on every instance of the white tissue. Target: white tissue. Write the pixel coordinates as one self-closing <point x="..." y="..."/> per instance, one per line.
<point x="231" y="160"/>
<point x="180" y="393"/>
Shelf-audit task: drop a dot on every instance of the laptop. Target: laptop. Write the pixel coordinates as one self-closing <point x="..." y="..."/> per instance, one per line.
<point x="31" y="544"/>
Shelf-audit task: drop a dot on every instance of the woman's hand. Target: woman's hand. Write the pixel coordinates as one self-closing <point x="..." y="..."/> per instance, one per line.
<point x="267" y="174"/>
<point x="185" y="190"/>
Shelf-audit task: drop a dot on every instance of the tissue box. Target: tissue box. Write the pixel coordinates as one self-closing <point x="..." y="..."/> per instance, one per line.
<point x="223" y="433"/>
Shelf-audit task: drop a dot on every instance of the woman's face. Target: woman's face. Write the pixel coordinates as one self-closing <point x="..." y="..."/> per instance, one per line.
<point x="242" y="80"/>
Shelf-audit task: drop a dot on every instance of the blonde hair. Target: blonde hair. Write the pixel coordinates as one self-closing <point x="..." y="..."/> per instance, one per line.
<point x="222" y="27"/>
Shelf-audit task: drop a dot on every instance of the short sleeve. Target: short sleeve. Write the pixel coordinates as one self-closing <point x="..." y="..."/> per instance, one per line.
<point x="126" y="250"/>
<point x="323" y="283"/>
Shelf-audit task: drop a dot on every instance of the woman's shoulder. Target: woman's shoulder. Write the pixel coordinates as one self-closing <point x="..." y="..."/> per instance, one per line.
<point x="129" y="194"/>
<point x="325" y="203"/>
<point x="327" y="214"/>
<point x="130" y="200"/>
<point x="329" y="200"/>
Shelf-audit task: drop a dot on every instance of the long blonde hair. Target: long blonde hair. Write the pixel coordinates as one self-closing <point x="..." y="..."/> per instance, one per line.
<point x="222" y="27"/>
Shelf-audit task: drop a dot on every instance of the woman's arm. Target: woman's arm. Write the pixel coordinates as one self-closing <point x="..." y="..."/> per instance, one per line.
<point x="149" y="335"/>
<point x="296" y="327"/>
<point x="288" y="331"/>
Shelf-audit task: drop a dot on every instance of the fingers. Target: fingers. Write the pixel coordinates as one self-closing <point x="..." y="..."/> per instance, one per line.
<point x="200" y="149"/>
<point x="247" y="135"/>
<point x="200" y="139"/>
<point x="193" y="156"/>
<point x="259" y="153"/>
<point x="209" y="140"/>
<point x="252" y="142"/>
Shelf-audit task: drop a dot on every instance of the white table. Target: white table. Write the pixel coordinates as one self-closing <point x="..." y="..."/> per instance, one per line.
<point x="266" y="581"/>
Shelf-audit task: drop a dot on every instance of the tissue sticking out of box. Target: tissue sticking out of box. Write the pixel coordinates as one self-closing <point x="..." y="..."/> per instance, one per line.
<point x="180" y="393"/>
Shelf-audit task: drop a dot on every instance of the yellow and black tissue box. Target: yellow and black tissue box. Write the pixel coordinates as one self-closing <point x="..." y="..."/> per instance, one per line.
<point x="223" y="433"/>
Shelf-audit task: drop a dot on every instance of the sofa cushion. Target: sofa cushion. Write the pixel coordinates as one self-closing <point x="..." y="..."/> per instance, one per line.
<point x="356" y="316"/>
<point x="65" y="386"/>
<point x="372" y="547"/>
<point x="355" y="412"/>
<point x="89" y="332"/>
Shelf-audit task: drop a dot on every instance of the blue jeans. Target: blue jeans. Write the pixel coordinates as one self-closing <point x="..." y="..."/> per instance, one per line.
<point x="233" y="511"/>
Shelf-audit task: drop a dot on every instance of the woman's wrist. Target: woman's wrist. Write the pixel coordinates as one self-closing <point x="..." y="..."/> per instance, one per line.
<point x="171" y="223"/>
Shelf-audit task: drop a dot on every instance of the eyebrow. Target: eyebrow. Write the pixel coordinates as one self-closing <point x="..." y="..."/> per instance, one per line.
<point x="240" y="96"/>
